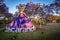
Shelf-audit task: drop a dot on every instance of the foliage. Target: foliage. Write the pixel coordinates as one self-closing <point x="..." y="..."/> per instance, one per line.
<point x="53" y="18"/>
<point x="38" y="22"/>
<point x="4" y="22"/>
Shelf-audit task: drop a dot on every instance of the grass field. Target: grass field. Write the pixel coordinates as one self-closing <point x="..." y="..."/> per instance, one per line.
<point x="48" y="32"/>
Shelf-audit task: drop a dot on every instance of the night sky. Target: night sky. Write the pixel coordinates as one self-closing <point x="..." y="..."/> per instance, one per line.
<point x="11" y="4"/>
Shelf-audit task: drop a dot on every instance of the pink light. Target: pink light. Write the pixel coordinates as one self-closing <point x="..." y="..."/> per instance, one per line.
<point x="29" y="25"/>
<point x="11" y="24"/>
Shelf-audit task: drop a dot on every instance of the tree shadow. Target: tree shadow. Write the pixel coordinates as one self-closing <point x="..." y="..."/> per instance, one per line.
<point x="54" y="36"/>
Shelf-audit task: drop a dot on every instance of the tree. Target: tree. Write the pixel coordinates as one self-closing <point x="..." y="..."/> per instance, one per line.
<point x="4" y="9"/>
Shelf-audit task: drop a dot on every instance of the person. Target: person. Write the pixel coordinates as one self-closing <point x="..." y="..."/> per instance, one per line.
<point x="21" y="23"/>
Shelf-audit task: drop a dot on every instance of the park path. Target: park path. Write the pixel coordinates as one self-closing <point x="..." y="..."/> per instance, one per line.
<point x="2" y="27"/>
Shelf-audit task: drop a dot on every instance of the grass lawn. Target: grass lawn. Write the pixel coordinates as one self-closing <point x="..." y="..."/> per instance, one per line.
<point x="49" y="32"/>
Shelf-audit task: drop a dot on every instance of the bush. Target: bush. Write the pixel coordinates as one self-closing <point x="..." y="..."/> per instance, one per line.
<point x="4" y="22"/>
<point x="38" y="22"/>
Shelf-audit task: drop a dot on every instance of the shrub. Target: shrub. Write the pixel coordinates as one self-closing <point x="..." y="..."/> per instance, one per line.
<point x="38" y="22"/>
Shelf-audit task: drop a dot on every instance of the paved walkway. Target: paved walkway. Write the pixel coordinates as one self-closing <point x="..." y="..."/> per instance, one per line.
<point x="2" y="27"/>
